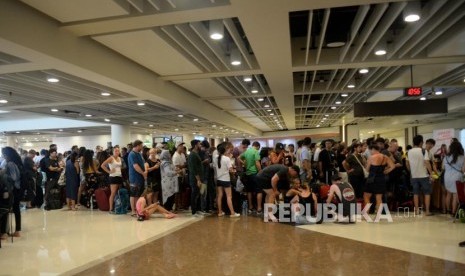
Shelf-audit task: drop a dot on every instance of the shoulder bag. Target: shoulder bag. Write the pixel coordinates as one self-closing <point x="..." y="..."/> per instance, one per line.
<point x="365" y="172"/>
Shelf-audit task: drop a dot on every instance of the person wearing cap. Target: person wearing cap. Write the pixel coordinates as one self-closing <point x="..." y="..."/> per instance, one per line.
<point x="180" y="162"/>
<point x="194" y="162"/>
<point x="137" y="174"/>
<point x="343" y="193"/>
<point x="268" y="179"/>
<point x="277" y="155"/>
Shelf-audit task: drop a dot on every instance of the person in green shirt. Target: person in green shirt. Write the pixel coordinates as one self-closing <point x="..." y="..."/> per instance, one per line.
<point x="251" y="159"/>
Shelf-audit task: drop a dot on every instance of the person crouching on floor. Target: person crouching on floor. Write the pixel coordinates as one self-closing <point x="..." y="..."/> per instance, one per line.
<point x="344" y="195"/>
<point x="144" y="212"/>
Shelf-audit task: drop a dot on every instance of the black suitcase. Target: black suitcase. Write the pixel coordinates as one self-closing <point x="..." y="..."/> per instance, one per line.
<point x="53" y="195"/>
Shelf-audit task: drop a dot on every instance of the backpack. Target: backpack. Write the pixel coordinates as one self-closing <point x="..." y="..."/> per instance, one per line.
<point x="121" y="202"/>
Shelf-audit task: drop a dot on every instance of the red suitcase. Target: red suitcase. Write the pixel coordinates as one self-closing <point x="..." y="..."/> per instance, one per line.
<point x="102" y="196"/>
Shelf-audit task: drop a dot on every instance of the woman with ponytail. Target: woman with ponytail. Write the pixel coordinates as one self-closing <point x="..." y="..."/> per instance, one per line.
<point x="223" y="169"/>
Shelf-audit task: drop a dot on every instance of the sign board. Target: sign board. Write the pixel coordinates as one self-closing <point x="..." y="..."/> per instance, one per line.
<point x="413" y="91"/>
<point x="443" y="136"/>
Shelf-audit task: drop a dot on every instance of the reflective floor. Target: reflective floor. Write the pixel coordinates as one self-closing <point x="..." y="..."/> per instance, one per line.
<point x="95" y="243"/>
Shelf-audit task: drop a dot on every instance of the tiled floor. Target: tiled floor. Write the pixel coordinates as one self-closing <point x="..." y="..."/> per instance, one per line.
<point x="248" y="246"/>
<point x="95" y="243"/>
<point x="55" y="242"/>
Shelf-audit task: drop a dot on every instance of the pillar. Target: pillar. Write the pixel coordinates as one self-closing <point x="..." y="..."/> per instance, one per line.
<point x="120" y="135"/>
<point x="352" y="132"/>
<point x="11" y="142"/>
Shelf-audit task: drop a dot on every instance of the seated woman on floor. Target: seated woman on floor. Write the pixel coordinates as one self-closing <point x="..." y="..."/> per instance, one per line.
<point x="144" y="212"/>
<point x="301" y="195"/>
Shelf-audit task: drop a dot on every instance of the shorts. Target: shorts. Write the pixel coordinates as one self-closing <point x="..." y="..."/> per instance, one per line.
<point x="153" y="186"/>
<point x="250" y="183"/>
<point x="136" y="190"/>
<point x="116" y="180"/>
<point x="224" y="184"/>
<point x="423" y="184"/>
<point x="263" y="183"/>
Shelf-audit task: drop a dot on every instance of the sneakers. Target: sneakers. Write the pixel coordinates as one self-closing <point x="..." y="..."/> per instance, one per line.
<point x="250" y="211"/>
<point x="259" y="212"/>
<point x="205" y="214"/>
<point x="236" y="215"/>
<point x="197" y="215"/>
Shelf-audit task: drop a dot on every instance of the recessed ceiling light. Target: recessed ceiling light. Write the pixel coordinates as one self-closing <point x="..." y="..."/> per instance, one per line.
<point x="338" y="102"/>
<point x="247" y="78"/>
<point x="271" y="114"/>
<point x="268" y="110"/>
<point x="437" y="93"/>
<point x="325" y="118"/>
<point x="363" y="71"/>
<point x="140" y="103"/>
<point x="221" y="127"/>
<point x="351" y="86"/>
<point x="317" y="125"/>
<point x="194" y="133"/>
<point x="107" y="120"/>
<point x="18" y="132"/>
<point x="88" y="115"/>
<point x="335" y="44"/>
<point x="52" y="80"/>
<point x="216" y="29"/>
<point x="333" y="107"/>
<point x="105" y="94"/>
<point x="380" y="52"/>
<point x="422" y="98"/>
<point x="180" y="115"/>
<point x="260" y="99"/>
<point x="60" y="130"/>
<point x="135" y="123"/>
<point x="216" y="36"/>
<point x="54" y="110"/>
<point x="150" y="125"/>
<point x="176" y="129"/>
<point x="344" y="95"/>
<point x="213" y="125"/>
<point x="267" y="105"/>
<point x="326" y="115"/>
<point x="79" y="131"/>
<point x="195" y="119"/>
<point x="254" y="90"/>
<point x="3" y="101"/>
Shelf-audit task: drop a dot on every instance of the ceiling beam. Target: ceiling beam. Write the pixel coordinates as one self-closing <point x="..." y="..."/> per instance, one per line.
<point x="71" y="103"/>
<point x="22" y="67"/>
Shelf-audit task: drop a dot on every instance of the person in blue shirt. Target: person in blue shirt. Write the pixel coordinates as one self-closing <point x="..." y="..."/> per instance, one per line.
<point x="137" y="174"/>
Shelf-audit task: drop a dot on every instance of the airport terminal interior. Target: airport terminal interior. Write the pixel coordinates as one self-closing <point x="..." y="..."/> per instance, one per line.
<point x="232" y="137"/>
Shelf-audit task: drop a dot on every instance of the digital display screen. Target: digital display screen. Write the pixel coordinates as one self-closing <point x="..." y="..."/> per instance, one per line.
<point x="413" y="91"/>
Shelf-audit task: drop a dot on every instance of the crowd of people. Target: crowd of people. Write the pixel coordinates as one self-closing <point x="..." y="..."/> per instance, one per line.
<point x="224" y="179"/>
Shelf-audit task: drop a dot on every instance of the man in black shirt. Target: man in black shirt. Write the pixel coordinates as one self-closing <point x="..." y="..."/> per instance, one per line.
<point x="268" y="178"/>
<point x="326" y="162"/>
<point x="52" y="169"/>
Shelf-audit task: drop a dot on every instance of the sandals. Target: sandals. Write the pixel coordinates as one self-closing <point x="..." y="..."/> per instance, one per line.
<point x="133" y="215"/>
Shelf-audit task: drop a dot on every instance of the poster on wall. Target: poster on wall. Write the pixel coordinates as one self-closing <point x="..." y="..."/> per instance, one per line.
<point x="442" y="136"/>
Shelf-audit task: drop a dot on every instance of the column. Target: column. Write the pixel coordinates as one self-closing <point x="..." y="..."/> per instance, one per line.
<point x="352" y="132"/>
<point x="11" y="142"/>
<point x="120" y="135"/>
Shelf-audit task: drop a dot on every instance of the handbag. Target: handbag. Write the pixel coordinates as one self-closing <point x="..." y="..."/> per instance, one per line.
<point x="365" y="172"/>
<point x="62" y="179"/>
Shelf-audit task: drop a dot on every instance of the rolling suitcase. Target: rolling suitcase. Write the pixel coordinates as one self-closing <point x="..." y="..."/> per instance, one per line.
<point x="102" y="196"/>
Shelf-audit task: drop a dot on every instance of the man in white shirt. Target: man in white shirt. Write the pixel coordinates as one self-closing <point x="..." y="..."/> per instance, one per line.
<point x="179" y="161"/>
<point x="419" y="166"/>
<point x="306" y="161"/>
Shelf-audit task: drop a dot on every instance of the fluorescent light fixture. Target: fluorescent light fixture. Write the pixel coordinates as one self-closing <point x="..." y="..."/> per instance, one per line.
<point x="3" y="101"/>
<point x="344" y="95"/>
<point x="351" y="86"/>
<point x="423" y="99"/>
<point x="107" y="120"/>
<point x="338" y="102"/>
<point x="54" y="110"/>
<point x="380" y="52"/>
<point x="363" y="71"/>
<point x="236" y="58"/>
<point x="140" y="103"/>
<point x="88" y="115"/>
<point x="247" y="78"/>
<point x="105" y="94"/>
<point x="216" y="29"/>
<point x="52" y="79"/>
<point x="412" y="11"/>
<point x="438" y="93"/>
<point x="260" y="99"/>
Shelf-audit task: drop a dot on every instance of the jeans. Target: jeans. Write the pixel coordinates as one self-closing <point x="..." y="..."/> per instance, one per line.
<point x="195" y="194"/>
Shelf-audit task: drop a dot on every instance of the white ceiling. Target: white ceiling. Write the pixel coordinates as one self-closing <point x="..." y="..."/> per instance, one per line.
<point x="159" y="52"/>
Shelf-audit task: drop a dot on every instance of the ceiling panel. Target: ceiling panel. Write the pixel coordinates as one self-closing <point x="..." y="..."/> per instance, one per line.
<point x="77" y="10"/>
<point x="203" y="87"/>
<point x="150" y="50"/>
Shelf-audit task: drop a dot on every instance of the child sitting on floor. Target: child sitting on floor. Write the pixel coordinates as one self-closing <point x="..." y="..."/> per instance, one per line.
<point x="144" y="212"/>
